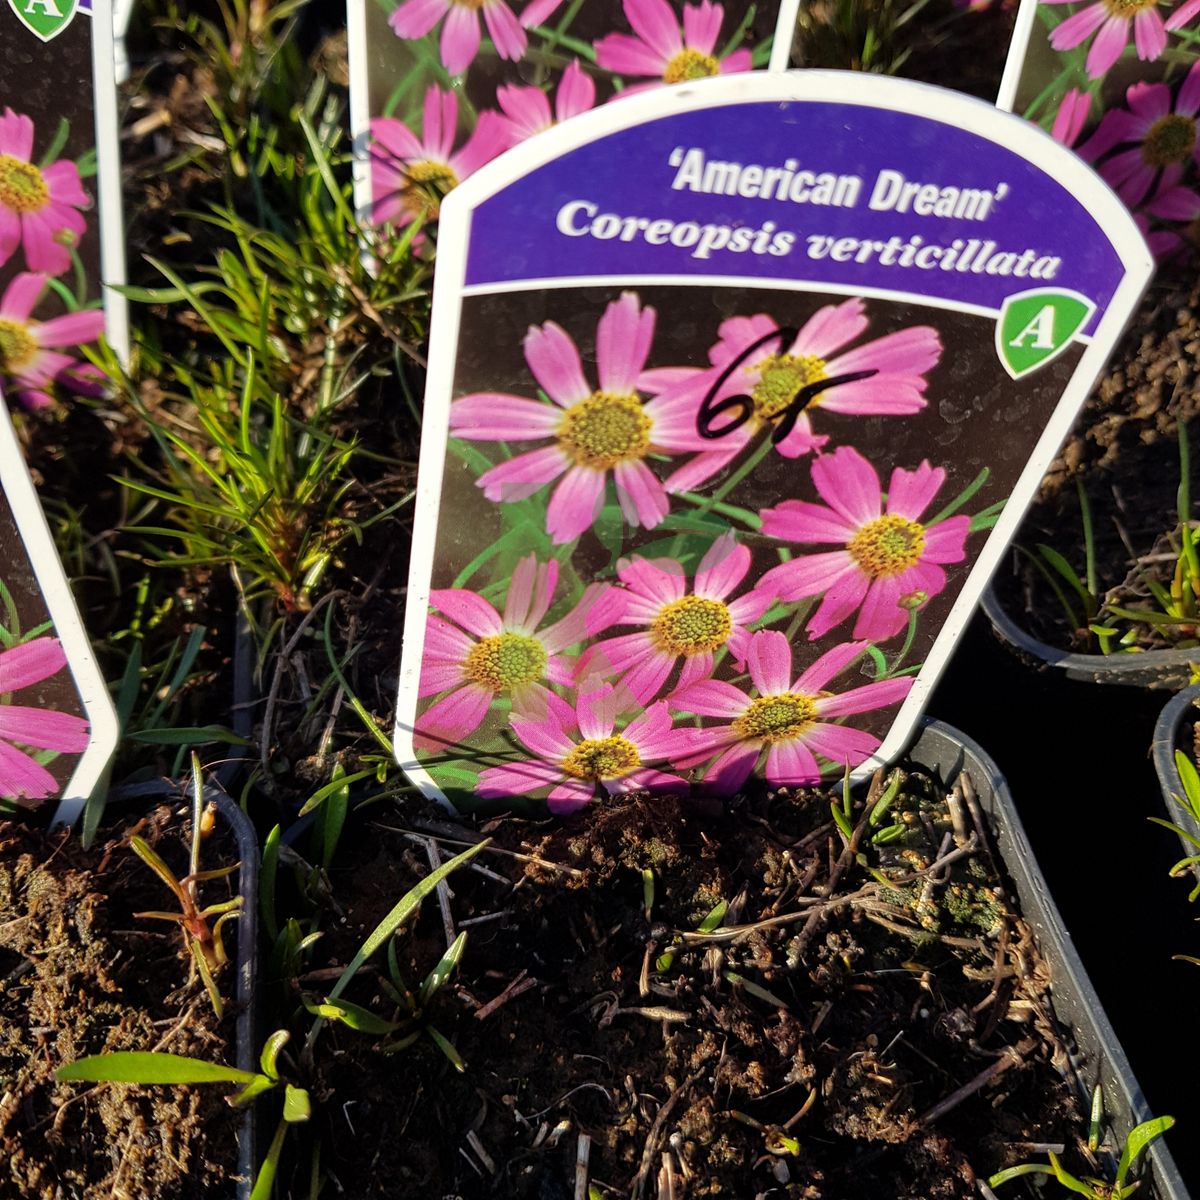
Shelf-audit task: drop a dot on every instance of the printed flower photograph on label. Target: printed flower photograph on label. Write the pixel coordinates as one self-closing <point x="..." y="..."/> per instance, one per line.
<point x="1120" y="84"/>
<point x="452" y="84"/>
<point x="694" y="537"/>
<point x="50" y="275"/>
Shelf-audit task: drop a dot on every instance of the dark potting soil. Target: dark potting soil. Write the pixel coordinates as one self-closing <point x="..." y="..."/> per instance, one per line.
<point x="833" y="1010"/>
<point x="79" y="975"/>
<point x="1124" y="449"/>
<point x="1076" y="756"/>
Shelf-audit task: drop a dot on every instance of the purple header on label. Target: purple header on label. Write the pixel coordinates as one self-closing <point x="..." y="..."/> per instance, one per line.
<point x="842" y="194"/>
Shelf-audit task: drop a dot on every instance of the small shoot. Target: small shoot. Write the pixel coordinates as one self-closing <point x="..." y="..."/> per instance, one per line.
<point x="710" y="924"/>
<point x="1189" y="777"/>
<point x="204" y="942"/>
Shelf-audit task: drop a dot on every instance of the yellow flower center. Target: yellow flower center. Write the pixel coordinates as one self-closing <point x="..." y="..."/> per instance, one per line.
<point x="506" y="661"/>
<point x="690" y="64"/>
<point x="18" y="347"/>
<point x="602" y="758"/>
<point x="605" y="430"/>
<point x="426" y="184"/>
<point x="473" y="5"/>
<point x="887" y="546"/>
<point x="22" y="186"/>
<point x="1171" y="139"/>
<point x="1128" y="9"/>
<point x="777" y="718"/>
<point x="781" y="376"/>
<point x="691" y="626"/>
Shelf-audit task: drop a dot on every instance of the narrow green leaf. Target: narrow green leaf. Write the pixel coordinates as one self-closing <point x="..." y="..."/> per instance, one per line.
<point x="189" y="736"/>
<point x="1138" y="1141"/>
<point x="136" y="1066"/>
<point x="296" y="1104"/>
<point x="444" y="969"/>
<point x="352" y="1015"/>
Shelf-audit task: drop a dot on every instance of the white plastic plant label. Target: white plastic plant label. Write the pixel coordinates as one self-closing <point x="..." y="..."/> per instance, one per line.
<point x="736" y="393"/>
<point x="60" y="198"/>
<point x="440" y="87"/>
<point x="1120" y="83"/>
<point x="58" y="729"/>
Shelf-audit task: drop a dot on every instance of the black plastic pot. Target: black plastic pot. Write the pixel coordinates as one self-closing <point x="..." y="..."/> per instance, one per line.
<point x="1167" y="669"/>
<point x="1097" y="1057"/>
<point x="1168" y="737"/>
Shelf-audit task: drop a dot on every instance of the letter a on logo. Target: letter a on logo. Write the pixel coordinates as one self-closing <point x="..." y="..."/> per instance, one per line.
<point x="1036" y="327"/>
<point x="45" y="19"/>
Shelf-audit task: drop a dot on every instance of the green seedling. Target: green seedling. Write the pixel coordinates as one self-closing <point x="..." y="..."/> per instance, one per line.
<point x="711" y="923"/>
<point x="204" y="942"/>
<point x="1190" y="803"/>
<point x="1139" y="1140"/>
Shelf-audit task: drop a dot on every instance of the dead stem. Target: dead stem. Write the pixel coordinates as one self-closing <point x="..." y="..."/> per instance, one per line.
<point x="656" y="1129"/>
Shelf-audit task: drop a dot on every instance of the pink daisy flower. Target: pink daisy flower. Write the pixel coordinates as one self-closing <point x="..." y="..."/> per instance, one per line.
<point x="21" y="776"/>
<point x="580" y="751"/>
<point x="1110" y="21"/>
<point x="38" y="205"/>
<point x="527" y="109"/>
<point x="477" y="656"/>
<point x="889" y="561"/>
<point x="771" y="376"/>
<point x="691" y="625"/>
<point x="29" y="358"/>
<point x="411" y="176"/>
<point x="1071" y="117"/>
<point x="596" y="432"/>
<point x="1164" y="137"/>
<point x="461" y="33"/>
<point x="791" y="721"/>
<point x="662" y="50"/>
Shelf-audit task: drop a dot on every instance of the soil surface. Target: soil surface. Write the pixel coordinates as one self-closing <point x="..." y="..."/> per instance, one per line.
<point x="813" y="1045"/>
<point x="81" y="974"/>
<point x="1124" y="449"/>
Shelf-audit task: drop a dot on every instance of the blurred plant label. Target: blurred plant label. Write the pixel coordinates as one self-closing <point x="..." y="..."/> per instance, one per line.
<point x="60" y="198"/>
<point x="45" y="19"/>
<point x="58" y="729"/>
<point x="1120" y="84"/>
<point x="1035" y="327"/>
<point x="736" y="393"/>
<point x="439" y="87"/>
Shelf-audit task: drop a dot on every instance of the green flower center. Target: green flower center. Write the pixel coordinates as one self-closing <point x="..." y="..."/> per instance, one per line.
<point x="1171" y="139"/>
<point x="690" y="64"/>
<point x="22" y="187"/>
<point x="605" y="430"/>
<point x="425" y="187"/>
<point x="781" y="378"/>
<point x="691" y="626"/>
<point x="887" y="546"/>
<point x="602" y="758"/>
<point x="506" y="661"/>
<point x="18" y="347"/>
<point x="777" y="718"/>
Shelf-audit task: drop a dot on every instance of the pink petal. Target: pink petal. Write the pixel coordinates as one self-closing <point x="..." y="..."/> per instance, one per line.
<point x="1149" y="35"/>
<point x="573" y="627"/>
<point x="732" y="769"/>
<point x="911" y="351"/>
<point x="520" y="593"/>
<point x="712" y="698"/>
<point x="790" y="763"/>
<point x="498" y="417"/>
<point x="646" y="678"/>
<point x="614" y="655"/>
<point x="538" y="11"/>
<point x="439" y="677"/>
<point x="838" y="603"/>
<point x="640" y="495"/>
<point x="576" y="92"/>
<point x="650" y="780"/>
<point x="1078" y="27"/>
<point x="22" y="778"/>
<point x="1188" y="101"/>
<point x="699" y="745"/>
<point x="445" y="643"/>
<point x="468" y="609"/>
<point x="849" y="485"/>
<point x="840" y="744"/>
<point x="597" y="711"/>
<point x="702" y="25"/>
<point x="527" y="109"/>
<point x="655" y="23"/>
<point x="547" y="739"/>
<point x="652" y="733"/>
<point x="505" y="30"/>
<point x="16" y="135"/>
<point x="453" y="718"/>
<point x="739" y="60"/>
<point x="809" y="575"/>
<point x="44" y="728"/>
<point x="800" y="521"/>
<point x="31" y="662"/>
<point x="570" y="796"/>
<point x="703" y="467"/>
<point x="22" y="294"/>
<point x="881" y="616"/>
<point x="625" y="55"/>
<point x="439" y="122"/>
<point x="883" y="693"/>
<point x="660" y="580"/>
<point x="72" y="329"/>
<point x="64" y="183"/>
<point x="554" y="360"/>
<point x="830" y="665"/>
<point x="396" y="138"/>
<point x="576" y="503"/>
<point x="461" y="36"/>
<point x="42" y="251"/>
<point x="697" y="668"/>
<point x="10" y="233"/>
<point x="415" y="18"/>
<point x="910" y="493"/>
<point x="1108" y="47"/>
<point x="946" y="542"/>
<point x="517" y="779"/>
<point x="722" y="568"/>
<point x="623" y="337"/>
<point x="1183" y="14"/>
<point x="488" y="138"/>
<point x="1149" y="100"/>
<point x="770" y="662"/>
<point x="521" y="477"/>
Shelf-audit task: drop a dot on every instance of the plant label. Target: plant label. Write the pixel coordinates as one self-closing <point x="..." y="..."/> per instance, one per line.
<point x="736" y="393"/>
<point x="58" y="729"/>
<point x="437" y="88"/>
<point x="60" y="198"/>
<point x="1120" y="83"/>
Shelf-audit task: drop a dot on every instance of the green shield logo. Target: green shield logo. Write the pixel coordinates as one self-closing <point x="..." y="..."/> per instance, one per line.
<point x="1035" y="327"/>
<point x="45" y="19"/>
